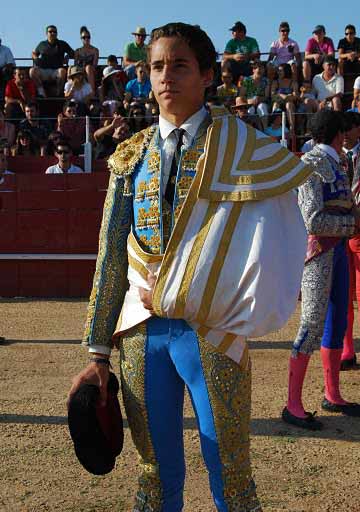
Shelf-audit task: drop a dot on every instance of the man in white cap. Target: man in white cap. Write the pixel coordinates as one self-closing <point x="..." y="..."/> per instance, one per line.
<point x="135" y="52"/>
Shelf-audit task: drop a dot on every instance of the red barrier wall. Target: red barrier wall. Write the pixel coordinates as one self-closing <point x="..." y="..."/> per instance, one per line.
<point x="49" y="233"/>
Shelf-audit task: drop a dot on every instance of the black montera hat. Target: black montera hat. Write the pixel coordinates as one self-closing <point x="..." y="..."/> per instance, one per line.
<point x="97" y="432"/>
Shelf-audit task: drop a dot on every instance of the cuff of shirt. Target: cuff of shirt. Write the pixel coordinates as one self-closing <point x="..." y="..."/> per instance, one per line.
<point x="100" y="349"/>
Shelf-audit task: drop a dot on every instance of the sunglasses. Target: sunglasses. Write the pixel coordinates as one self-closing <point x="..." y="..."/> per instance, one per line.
<point x="62" y="152"/>
<point x="52" y="32"/>
<point x="284" y="30"/>
<point x="349" y="33"/>
<point x="241" y="107"/>
<point x="85" y="37"/>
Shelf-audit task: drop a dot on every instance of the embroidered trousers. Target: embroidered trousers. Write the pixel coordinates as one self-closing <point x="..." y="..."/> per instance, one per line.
<point x="324" y="291"/>
<point x="158" y="359"/>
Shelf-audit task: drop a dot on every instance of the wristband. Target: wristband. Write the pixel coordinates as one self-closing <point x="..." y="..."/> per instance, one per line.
<point x="100" y="360"/>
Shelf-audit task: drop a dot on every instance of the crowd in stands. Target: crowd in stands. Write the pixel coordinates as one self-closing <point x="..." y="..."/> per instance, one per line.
<point x="119" y="101"/>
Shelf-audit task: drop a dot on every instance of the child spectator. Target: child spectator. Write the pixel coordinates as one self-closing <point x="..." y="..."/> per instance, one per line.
<point x="18" y="91"/>
<point x="284" y="94"/>
<point x="135" y="52"/>
<point x="39" y="128"/>
<point x="63" y="153"/>
<point x="77" y="88"/>
<point x="139" y="88"/>
<point x="316" y="50"/>
<point x="275" y="126"/>
<point x="285" y="50"/>
<point x="72" y="127"/>
<point x="113" y="131"/>
<point x="50" y="57"/>
<point x="255" y="89"/>
<point x="87" y="57"/>
<point x="111" y="87"/>
<point x="7" y="133"/>
<point x="25" y="145"/>
<point x="240" y="50"/>
<point x="228" y="91"/>
<point x="349" y="52"/>
<point x="329" y="86"/>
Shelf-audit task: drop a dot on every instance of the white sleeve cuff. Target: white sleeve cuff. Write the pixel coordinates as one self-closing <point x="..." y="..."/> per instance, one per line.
<point x="100" y="349"/>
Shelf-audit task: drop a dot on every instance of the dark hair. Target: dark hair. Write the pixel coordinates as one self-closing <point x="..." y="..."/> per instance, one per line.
<point x="197" y="40"/>
<point x="351" y="27"/>
<point x="287" y="70"/>
<point x="63" y="142"/>
<point x="51" y="26"/>
<point x="31" y="104"/>
<point x="284" y="24"/>
<point x="34" y="148"/>
<point x="325" y="125"/>
<point x="351" y="119"/>
<point x="69" y="103"/>
<point x="50" y="145"/>
<point x="112" y="58"/>
<point x="84" y="29"/>
<point x="142" y="123"/>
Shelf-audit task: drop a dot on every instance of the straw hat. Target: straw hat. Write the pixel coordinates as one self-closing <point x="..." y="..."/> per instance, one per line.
<point x="75" y="70"/>
<point x="140" y="31"/>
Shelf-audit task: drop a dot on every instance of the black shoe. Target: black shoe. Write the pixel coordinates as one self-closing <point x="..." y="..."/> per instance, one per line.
<point x="349" y="364"/>
<point x="310" y="423"/>
<point x="349" y="409"/>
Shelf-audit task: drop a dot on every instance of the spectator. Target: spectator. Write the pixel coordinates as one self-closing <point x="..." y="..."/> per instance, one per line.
<point x="39" y="128"/>
<point x="135" y="52"/>
<point x="351" y="145"/>
<point x="255" y="89"/>
<point x="241" y="108"/>
<point x="50" y="57"/>
<point x="52" y="142"/>
<point x="355" y="105"/>
<point x="77" y="88"/>
<point x="64" y="166"/>
<point x="284" y="93"/>
<point x="139" y="88"/>
<point x="7" y="133"/>
<point x="307" y="103"/>
<point x="112" y="61"/>
<point x="111" y="87"/>
<point x="228" y="91"/>
<point x="240" y="50"/>
<point x="316" y="49"/>
<point x="87" y="57"/>
<point x="329" y="86"/>
<point x="113" y="131"/>
<point x="72" y="127"/>
<point x="7" y="63"/>
<point x="25" y="145"/>
<point x="275" y="126"/>
<point x="285" y="50"/>
<point x="18" y="91"/>
<point x="349" y="52"/>
<point x="137" y="117"/>
<point x="3" y="164"/>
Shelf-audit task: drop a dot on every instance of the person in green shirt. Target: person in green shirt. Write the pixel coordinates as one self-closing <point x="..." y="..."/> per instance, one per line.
<point x="240" y="50"/>
<point x="135" y="52"/>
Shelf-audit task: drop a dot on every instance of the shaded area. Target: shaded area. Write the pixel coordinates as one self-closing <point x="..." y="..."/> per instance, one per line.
<point x="13" y="341"/>
<point x="335" y="427"/>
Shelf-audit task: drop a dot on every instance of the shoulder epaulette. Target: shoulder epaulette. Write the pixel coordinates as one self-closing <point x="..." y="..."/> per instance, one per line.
<point x="320" y="165"/>
<point x="129" y="152"/>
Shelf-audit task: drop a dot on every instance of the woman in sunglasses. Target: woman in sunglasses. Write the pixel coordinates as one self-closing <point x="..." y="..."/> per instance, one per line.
<point x="87" y="56"/>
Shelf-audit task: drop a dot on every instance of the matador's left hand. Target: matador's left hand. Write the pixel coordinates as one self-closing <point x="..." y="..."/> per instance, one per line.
<point x="147" y="295"/>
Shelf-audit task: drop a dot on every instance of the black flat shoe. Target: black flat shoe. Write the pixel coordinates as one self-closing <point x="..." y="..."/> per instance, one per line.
<point x="349" y="364"/>
<point x="310" y="423"/>
<point x="350" y="409"/>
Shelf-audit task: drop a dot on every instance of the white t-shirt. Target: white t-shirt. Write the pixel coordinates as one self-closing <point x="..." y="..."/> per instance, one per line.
<point x="56" y="169"/>
<point x="357" y="83"/>
<point x="324" y="88"/>
<point x="78" y="94"/>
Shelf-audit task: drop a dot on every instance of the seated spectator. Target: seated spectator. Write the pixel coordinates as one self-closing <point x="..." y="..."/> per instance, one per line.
<point x="228" y="91"/>
<point x="307" y="103"/>
<point x="7" y="133"/>
<point x="255" y="89"/>
<point x="137" y="117"/>
<point x="72" y="127"/>
<point x="87" y="57"/>
<point x="113" y="131"/>
<point x="39" y="128"/>
<point x="112" y="61"/>
<point x="50" y="57"/>
<point x="355" y="105"/>
<point x="284" y="94"/>
<point x="25" y="145"/>
<point x="329" y="86"/>
<point x="316" y="49"/>
<point x="4" y="166"/>
<point x="111" y="87"/>
<point x="77" y="88"/>
<point x="135" y="52"/>
<point x="63" y="153"/>
<point x="240" y="50"/>
<point x="274" y="129"/>
<point x="349" y="52"/>
<point x="241" y="109"/>
<point x="7" y="64"/>
<point x="138" y="89"/>
<point x="18" y="91"/>
<point x="285" y="50"/>
<point x="52" y="142"/>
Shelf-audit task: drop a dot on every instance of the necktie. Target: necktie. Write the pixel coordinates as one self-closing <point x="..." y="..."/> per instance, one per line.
<point x="350" y="166"/>
<point x="170" y="188"/>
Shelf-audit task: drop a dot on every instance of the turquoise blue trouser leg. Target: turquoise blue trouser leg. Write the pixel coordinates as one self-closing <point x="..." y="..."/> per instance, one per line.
<point x="158" y="359"/>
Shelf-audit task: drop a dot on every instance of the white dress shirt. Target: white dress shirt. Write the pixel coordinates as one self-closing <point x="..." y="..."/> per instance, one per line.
<point x="56" y="169"/>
